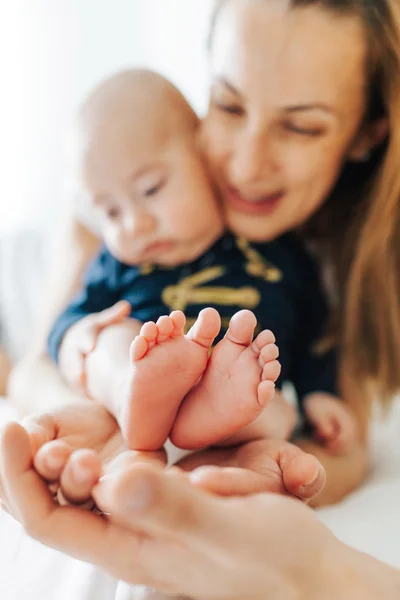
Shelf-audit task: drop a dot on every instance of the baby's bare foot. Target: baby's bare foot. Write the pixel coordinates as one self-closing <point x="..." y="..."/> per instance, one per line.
<point x="166" y="364"/>
<point x="237" y="385"/>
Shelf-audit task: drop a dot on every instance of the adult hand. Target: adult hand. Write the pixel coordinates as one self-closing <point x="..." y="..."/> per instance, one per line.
<point x="263" y="466"/>
<point x="258" y="466"/>
<point x="167" y="534"/>
<point x="72" y="444"/>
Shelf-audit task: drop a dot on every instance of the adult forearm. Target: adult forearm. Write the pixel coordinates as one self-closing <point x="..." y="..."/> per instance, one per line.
<point x="344" y="473"/>
<point x="352" y="574"/>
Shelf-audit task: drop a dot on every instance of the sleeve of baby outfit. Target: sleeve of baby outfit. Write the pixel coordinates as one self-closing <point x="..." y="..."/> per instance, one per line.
<point x="313" y="370"/>
<point x="99" y="292"/>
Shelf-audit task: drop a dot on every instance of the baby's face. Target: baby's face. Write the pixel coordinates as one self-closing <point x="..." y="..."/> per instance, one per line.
<point x="153" y="197"/>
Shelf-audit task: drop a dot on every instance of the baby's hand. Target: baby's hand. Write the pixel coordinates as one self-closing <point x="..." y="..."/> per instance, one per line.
<point x="333" y="421"/>
<point x="80" y="340"/>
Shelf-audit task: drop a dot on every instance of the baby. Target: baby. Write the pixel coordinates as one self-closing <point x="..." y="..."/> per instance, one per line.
<point x="166" y="253"/>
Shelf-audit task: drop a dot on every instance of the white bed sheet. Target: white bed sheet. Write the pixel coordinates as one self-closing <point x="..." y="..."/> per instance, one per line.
<point x="368" y="520"/>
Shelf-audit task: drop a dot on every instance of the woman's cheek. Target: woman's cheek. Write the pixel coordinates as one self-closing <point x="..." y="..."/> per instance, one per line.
<point x="216" y="141"/>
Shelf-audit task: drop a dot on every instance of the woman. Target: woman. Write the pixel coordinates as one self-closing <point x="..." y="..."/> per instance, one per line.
<point x="167" y="534"/>
<point x="301" y="134"/>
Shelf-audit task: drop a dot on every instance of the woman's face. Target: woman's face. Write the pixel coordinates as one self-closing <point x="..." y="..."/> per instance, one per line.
<point x="287" y="101"/>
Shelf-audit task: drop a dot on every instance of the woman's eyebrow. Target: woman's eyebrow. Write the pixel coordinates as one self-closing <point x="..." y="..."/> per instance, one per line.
<point x="306" y="107"/>
<point x="309" y="107"/>
<point x="223" y="81"/>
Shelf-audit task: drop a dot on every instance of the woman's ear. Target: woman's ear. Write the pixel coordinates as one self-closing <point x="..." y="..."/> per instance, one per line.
<point x="370" y="136"/>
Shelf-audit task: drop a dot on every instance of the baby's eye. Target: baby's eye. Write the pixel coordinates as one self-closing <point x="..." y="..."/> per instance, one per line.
<point x="154" y="189"/>
<point x="113" y="213"/>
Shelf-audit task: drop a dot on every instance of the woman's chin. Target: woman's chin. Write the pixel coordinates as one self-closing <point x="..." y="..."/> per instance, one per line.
<point x="253" y="228"/>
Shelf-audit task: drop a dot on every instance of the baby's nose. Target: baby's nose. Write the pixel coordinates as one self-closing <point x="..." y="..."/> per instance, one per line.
<point x="139" y="222"/>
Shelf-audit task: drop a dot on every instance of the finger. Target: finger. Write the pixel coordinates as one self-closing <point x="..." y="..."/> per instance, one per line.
<point x="325" y="428"/>
<point x="51" y="459"/>
<point x="87" y="343"/>
<point x="54" y="526"/>
<point x="345" y="437"/>
<point x="303" y="475"/>
<point x="41" y="429"/>
<point x="16" y="458"/>
<point x="80" y="475"/>
<point x="124" y="460"/>
<point x="5" y="503"/>
<point x="232" y="481"/>
<point x="115" y="314"/>
<point x="165" y="504"/>
<point x="110" y="316"/>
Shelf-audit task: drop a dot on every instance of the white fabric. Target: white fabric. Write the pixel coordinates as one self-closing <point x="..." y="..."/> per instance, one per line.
<point x="22" y="264"/>
<point x="369" y="520"/>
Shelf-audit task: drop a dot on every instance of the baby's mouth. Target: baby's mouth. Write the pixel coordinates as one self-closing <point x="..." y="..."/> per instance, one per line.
<point x="157" y="248"/>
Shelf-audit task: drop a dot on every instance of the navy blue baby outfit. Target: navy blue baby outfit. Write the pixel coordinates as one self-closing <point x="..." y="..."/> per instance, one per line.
<point x="278" y="281"/>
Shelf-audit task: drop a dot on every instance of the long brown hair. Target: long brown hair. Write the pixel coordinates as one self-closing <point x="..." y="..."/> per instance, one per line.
<point x="359" y="224"/>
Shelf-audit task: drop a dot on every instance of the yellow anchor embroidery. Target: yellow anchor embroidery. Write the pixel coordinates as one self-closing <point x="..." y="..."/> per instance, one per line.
<point x="257" y="265"/>
<point x="187" y="292"/>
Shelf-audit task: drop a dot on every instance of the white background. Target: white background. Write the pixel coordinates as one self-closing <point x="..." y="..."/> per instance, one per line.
<point x="52" y="52"/>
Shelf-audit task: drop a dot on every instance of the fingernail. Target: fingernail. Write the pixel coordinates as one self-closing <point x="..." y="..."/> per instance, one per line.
<point x="139" y="499"/>
<point x="313" y="479"/>
<point x="54" y="462"/>
<point x="82" y="474"/>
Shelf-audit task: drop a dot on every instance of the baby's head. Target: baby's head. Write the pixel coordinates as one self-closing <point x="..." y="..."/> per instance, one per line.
<point x="139" y="165"/>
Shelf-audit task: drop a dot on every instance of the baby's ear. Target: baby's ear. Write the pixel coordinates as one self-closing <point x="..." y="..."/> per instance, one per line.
<point x="370" y="136"/>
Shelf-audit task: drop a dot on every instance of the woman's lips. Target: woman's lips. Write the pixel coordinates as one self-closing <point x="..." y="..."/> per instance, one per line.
<point x="261" y="205"/>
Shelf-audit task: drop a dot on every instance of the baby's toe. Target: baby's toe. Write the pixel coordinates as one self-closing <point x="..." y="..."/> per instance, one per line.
<point x="268" y="353"/>
<point x="139" y="348"/>
<point x="265" y="338"/>
<point x="178" y="319"/>
<point x="165" y="327"/>
<point x="271" y="371"/>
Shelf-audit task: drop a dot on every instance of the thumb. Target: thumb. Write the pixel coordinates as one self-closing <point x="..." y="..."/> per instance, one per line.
<point x="120" y="311"/>
<point x="110" y="316"/>
<point x="40" y="429"/>
<point x="303" y="474"/>
<point x="163" y="503"/>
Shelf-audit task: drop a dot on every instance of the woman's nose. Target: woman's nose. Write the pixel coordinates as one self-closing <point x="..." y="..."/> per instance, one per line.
<point x="253" y="160"/>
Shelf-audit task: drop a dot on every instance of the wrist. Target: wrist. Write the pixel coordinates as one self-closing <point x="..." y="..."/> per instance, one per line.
<point x="348" y="573"/>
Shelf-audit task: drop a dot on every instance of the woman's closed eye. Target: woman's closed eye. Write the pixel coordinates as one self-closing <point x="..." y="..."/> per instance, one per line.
<point x="232" y="109"/>
<point x="303" y="130"/>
